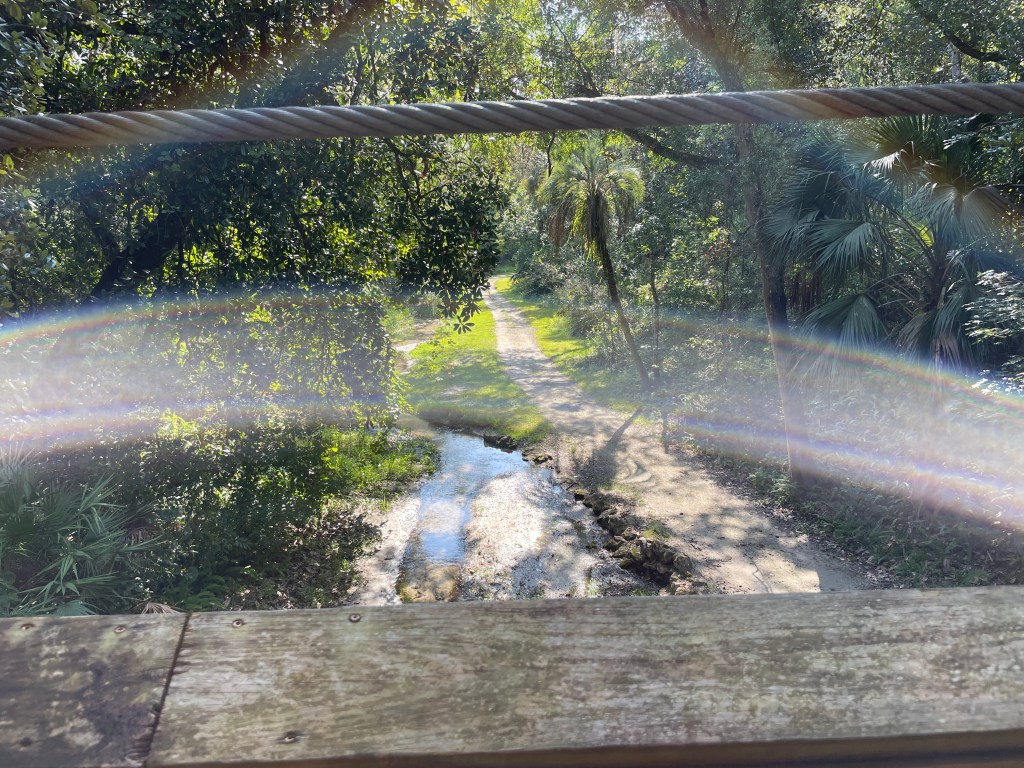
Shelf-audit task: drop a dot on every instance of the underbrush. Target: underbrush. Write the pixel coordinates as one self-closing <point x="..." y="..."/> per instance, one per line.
<point x="200" y="517"/>
<point x="902" y="543"/>
<point x="66" y="550"/>
<point x="458" y="380"/>
<point x="915" y="481"/>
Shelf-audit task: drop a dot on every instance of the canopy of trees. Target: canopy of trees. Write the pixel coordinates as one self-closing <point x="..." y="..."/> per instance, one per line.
<point x="343" y="220"/>
<point x="257" y="276"/>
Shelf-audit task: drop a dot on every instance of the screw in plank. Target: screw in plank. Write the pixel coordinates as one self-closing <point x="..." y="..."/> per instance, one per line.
<point x="120" y="628"/>
<point x="354" y="617"/>
<point x="237" y="623"/>
<point x="27" y="625"/>
<point x="25" y="742"/>
<point x="291" y="737"/>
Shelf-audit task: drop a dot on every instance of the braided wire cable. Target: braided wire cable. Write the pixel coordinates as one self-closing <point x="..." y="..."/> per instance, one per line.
<point x="627" y="112"/>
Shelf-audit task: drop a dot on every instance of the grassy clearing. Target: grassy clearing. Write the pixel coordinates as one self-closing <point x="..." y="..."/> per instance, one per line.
<point x="574" y="356"/>
<point x="458" y="380"/>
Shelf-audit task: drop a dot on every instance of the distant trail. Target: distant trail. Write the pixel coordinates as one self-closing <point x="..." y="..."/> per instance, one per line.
<point x="735" y="546"/>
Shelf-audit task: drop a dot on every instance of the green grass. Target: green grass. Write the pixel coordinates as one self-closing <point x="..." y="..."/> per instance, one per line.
<point x="458" y="380"/>
<point x="574" y="356"/>
<point x="657" y="530"/>
<point x="377" y="465"/>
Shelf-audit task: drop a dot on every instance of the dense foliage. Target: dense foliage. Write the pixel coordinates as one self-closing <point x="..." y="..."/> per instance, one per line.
<point x="226" y="305"/>
<point x="232" y="505"/>
<point x="330" y="217"/>
<point x="872" y="234"/>
<point x="64" y="549"/>
<point x="884" y="255"/>
<point x="238" y="289"/>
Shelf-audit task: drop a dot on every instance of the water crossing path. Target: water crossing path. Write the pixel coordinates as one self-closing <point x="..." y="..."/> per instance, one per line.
<point x="489" y="526"/>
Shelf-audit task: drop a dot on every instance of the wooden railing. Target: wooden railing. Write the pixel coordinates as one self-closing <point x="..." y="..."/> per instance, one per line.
<point x="869" y="678"/>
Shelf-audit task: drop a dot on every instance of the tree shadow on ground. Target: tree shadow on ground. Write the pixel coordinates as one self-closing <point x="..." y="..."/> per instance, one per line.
<point x="601" y="467"/>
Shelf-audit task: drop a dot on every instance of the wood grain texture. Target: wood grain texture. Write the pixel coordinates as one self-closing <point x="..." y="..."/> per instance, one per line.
<point x="896" y="677"/>
<point x="77" y="692"/>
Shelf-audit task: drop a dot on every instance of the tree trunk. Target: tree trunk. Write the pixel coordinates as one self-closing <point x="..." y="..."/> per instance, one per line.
<point x="773" y="295"/>
<point x="697" y="27"/>
<point x="613" y="294"/>
<point x="656" y="299"/>
<point x="144" y="257"/>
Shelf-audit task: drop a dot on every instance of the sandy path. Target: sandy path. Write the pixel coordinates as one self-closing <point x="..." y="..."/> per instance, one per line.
<point x="735" y="545"/>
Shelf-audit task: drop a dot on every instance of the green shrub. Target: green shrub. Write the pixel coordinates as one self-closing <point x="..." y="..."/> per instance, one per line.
<point x="240" y="506"/>
<point x="234" y="498"/>
<point x="65" y="550"/>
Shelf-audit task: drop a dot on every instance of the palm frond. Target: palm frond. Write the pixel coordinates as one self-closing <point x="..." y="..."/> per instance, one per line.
<point x="983" y="211"/>
<point x="938" y="335"/>
<point x="586" y="190"/>
<point x="786" y="229"/>
<point x="73" y="608"/>
<point x="900" y="148"/>
<point x="916" y="335"/>
<point x="851" y="320"/>
<point x="70" y="549"/>
<point x="841" y="245"/>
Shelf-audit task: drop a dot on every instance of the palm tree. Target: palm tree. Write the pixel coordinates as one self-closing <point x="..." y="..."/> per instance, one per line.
<point x="587" y="190"/>
<point x="894" y="223"/>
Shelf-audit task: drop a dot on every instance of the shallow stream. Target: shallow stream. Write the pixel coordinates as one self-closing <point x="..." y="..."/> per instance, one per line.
<point x="489" y="525"/>
<point x="473" y="477"/>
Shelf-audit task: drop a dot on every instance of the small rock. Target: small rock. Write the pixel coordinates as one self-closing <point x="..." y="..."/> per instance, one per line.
<point x="680" y="585"/>
<point x="502" y="442"/>
<point x="682" y="564"/>
<point x="629" y="555"/>
<point x="614" y="522"/>
<point x="630" y="534"/>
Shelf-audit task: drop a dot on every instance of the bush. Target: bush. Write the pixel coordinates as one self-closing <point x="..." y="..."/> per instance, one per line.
<point x="65" y="550"/>
<point x="236" y="506"/>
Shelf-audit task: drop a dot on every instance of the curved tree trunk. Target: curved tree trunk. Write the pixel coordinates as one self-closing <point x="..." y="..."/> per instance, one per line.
<point x="608" y="271"/>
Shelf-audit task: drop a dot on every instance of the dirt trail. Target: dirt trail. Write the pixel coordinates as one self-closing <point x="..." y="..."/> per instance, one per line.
<point x="735" y="545"/>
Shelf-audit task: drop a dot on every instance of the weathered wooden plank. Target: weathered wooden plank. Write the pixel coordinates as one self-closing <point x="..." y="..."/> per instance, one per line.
<point x="77" y="692"/>
<point x="860" y="677"/>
